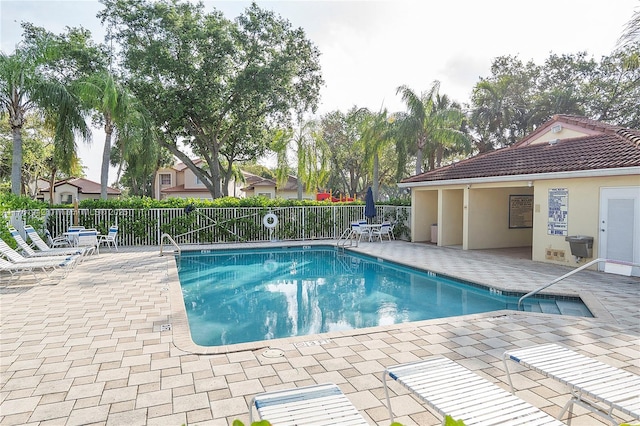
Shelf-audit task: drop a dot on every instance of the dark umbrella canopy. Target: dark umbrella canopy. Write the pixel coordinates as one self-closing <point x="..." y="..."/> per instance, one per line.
<point x="369" y="205"/>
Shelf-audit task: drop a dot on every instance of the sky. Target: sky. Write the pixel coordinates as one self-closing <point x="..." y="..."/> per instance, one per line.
<point x="369" y="48"/>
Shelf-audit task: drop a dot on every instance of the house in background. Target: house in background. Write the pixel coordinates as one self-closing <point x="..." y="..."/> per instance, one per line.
<point x="269" y="188"/>
<point x="68" y="190"/>
<point x="179" y="181"/>
<point x="572" y="179"/>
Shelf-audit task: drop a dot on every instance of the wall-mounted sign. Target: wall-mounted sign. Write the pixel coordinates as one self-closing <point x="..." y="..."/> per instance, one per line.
<point x="557" y="223"/>
<point x="520" y="211"/>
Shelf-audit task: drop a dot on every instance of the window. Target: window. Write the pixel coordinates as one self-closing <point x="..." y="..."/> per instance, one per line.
<point x="198" y="181"/>
<point x="66" y="198"/>
<point x="165" y="179"/>
<point x="264" y="194"/>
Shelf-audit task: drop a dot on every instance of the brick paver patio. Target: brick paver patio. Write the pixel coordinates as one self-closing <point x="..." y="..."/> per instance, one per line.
<point x="109" y="344"/>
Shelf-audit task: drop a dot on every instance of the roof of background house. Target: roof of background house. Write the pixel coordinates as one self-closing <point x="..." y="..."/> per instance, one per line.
<point x="610" y="147"/>
<point x="249" y="178"/>
<point x="290" y="185"/>
<point x="182" y="166"/>
<point x="85" y="186"/>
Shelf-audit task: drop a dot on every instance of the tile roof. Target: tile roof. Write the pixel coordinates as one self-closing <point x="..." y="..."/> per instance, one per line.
<point x="85" y="186"/>
<point x="290" y="184"/>
<point x="584" y="122"/>
<point x="615" y="147"/>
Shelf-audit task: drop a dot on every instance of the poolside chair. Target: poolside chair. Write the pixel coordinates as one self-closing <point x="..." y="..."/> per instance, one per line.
<point x="384" y="231"/>
<point x="33" y="235"/>
<point x="393" y="226"/>
<point x="29" y="252"/>
<point x="15" y="257"/>
<point x="450" y="389"/>
<point x="53" y="242"/>
<point x="358" y="232"/>
<point x="71" y="234"/>
<point x="44" y="265"/>
<point x="111" y="238"/>
<point x="88" y="238"/>
<point x="323" y="404"/>
<point x="593" y="385"/>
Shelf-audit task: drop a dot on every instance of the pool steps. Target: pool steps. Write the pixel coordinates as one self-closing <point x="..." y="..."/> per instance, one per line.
<point x="558" y="307"/>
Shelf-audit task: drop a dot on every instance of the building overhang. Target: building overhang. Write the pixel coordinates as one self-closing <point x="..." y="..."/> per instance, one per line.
<point x="620" y="171"/>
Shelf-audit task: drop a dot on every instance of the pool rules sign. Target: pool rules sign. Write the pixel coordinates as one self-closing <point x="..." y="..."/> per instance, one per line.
<point x="557" y="223"/>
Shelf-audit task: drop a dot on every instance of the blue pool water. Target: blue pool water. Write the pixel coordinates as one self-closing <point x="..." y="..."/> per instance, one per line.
<point x="236" y="296"/>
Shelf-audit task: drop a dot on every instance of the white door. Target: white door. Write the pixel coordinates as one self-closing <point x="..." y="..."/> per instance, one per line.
<point x="620" y="225"/>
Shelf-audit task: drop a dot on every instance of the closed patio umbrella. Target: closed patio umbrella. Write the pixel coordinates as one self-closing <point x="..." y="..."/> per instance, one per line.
<point x="369" y="205"/>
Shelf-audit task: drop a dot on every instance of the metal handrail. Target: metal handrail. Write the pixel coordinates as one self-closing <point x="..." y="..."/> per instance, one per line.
<point x="345" y="237"/>
<point x="165" y="235"/>
<point x="586" y="265"/>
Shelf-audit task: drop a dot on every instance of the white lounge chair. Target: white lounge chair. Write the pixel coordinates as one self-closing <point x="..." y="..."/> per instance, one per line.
<point x="15" y="257"/>
<point x="111" y="238"/>
<point x="33" y="235"/>
<point x="450" y="389"/>
<point x="323" y="404"/>
<point x="44" y="265"/>
<point x="594" y="385"/>
<point x="30" y="253"/>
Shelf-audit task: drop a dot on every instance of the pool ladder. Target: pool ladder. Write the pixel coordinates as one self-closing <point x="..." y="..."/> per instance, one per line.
<point x="346" y="237"/>
<point x="171" y="240"/>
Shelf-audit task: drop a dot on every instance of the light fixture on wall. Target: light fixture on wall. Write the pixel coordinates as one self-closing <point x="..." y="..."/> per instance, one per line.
<point x="469" y="186"/>
<point x="530" y="183"/>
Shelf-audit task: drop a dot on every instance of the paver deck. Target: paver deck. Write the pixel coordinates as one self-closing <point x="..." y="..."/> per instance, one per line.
<point x="109" y="344"/>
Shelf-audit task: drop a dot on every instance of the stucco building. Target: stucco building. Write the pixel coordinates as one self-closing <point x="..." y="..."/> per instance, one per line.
<point x="68" y="190"/>
<point x="571" y="177"/>
<point x="269" y="188"/>
<point x="179" y="181"/>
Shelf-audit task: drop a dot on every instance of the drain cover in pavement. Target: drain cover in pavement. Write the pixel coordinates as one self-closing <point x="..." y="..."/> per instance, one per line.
<point x="272" y="353"/>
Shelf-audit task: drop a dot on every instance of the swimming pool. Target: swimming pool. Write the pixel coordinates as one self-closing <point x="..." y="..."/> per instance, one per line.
<point x="237" y="296"/>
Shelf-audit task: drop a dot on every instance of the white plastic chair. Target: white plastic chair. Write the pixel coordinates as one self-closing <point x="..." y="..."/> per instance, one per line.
<point x="88" y="238"/>
<point x="384" y="231"/>
<point x="111" y="238"/>
<point x="54" y="242"/>
<point x="72" y="234"/>
<point x="358" y="232"/>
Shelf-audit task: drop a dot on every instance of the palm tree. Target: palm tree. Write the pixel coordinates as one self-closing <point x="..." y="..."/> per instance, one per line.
<point x="137" y="151"/>
<point x="377" y="135"/>
<point x="114" y="105"/>
<point x="26" y="86"/>
<point x="431" y="123"/>
<point x="493" y="111"/>
<point x="448" y="135"/>
<point x="631" y="33"/>
<point x="630" y="40"/>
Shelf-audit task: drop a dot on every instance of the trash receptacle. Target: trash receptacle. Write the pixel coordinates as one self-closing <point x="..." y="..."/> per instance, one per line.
<point x="581" y="246"/>
<point x="434" y="233"/>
